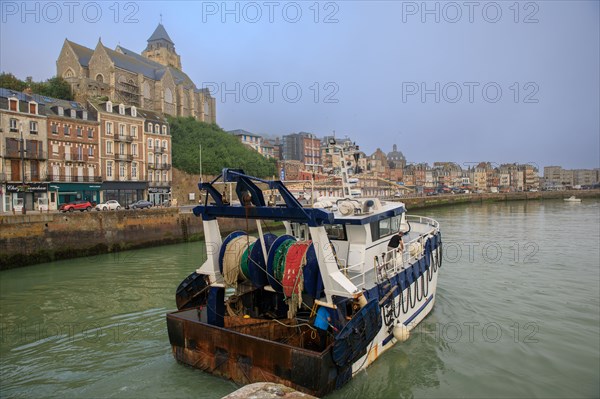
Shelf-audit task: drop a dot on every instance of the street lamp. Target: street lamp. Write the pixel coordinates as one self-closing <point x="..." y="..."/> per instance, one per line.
<point x="24" y="211"/>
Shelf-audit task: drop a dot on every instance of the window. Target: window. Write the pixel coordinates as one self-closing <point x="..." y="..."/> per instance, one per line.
<point x="122" y="109"/>
<point x="150" y="177"/>
<point x="73" y="113"/>
<point x="146" y="90"/>
<point x="13" y="104"/>
<point x="109" y="147"/>
<point x="33" y="127"/>
<point x="157" y="129"/>
<point x="108" y="106"/>
<point x="150" y="159"/>
<point x="157" y="176"/>
<point x="122" y="170"/>
<point x="164" y="129"/>
<point x="79" y="131"/>
<point x="91" y="151"/>
<point x="133" y="111"/>
<point x="133" y="131"/>
<point x="60" y="111"/>
<point x="122" y="148"/>
<point x="90" y="133"/>
<point x="121" y="129"/>
<point x="109" y="128"/>
<point x="165" y="159"/>
<point x="149" y="128"/>
<point x="165" y="176"/>
<point x="165" y="145"/>
<point x="84" y="115"/>
<point x="385" y="227"/>
<point x="13" y="125"/>
<point x="134" y="149"/>
<point x="109" y="168"/>
<point x="54" y="149"/>
<point x="134" y="170"/>
<point x="336" y="231"/>
<point x="157" y="144"/>
<point x="66" y="129"/>
<point x="99" y="78"/>
<point x="168" y="96"/>
<point x="149" y="143"/>
<point x="32" y="108"/>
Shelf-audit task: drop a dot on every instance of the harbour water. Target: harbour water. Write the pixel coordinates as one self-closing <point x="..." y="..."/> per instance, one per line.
<point x="517" y="314"/>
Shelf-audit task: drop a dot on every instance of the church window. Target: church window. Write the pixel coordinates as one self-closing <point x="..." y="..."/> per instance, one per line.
<point x="146" y="90"/>
<point x="99" y="78"/>
<point x="168" y="96"/>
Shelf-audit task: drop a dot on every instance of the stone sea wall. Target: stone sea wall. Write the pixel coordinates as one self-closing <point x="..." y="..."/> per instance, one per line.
<point x="37" y="238"/>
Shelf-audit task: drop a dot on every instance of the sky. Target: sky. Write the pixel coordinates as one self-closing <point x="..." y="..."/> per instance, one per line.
<point x="464" y="81"/>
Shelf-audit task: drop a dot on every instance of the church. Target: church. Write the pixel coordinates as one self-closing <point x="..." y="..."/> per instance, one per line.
<point x="152" y="80"/>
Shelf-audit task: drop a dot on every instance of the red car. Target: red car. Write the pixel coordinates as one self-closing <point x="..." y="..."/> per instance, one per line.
<point x="76" y="206"/>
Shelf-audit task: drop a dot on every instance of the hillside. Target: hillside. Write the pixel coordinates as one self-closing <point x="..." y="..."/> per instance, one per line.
<point x="219" y="150"/>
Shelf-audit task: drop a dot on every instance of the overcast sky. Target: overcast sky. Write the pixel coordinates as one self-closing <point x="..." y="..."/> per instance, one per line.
<point x="445" y="81"/>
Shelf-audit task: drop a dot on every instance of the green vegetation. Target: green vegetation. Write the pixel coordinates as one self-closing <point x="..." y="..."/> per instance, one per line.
<point x="219" y="150"/>
<point x="54" y="87"/>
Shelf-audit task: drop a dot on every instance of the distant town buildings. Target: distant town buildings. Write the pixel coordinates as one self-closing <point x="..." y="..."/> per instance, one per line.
<point x="555" y="177"/>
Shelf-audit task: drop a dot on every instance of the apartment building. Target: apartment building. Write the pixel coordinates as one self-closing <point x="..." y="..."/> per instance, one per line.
<point x="23" y="151"/>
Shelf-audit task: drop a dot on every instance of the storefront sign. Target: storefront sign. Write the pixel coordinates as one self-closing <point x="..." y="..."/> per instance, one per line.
<point x="158" y="190"/>
<point x="28" y="187"/>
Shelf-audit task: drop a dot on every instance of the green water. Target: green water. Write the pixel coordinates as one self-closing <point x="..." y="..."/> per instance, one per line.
<point x="517" y="315"/>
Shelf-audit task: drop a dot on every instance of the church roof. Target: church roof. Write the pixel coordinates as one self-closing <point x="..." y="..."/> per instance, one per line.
<point x="160" y="33"/>
<point x="155" y="70"/>
<point x="136" y="63"/>
<point x="83" y="53"/>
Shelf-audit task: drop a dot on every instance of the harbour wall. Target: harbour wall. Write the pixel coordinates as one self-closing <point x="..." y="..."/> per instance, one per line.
<point x="413" y="203"/>
<point x="37" y="238"/>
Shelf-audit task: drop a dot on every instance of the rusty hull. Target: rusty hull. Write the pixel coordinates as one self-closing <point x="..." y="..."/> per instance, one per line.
<point x="253" y="350"/>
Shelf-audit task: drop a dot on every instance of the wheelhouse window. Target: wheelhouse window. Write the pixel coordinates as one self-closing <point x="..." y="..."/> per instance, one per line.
<point x="385" y="227"/>
<point x="336" y="232"/>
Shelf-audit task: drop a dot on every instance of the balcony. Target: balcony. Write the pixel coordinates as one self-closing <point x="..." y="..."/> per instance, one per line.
<point x="76" y="157"/>
<point x="28" y="154"/>
<point x="163" y="166"/>
<point x="29" y="177"/>
<point x="158" y="149"/>
<point x="125" y="138"/>
<point x="124" y="157"/>
<point x="159" y="184"/>
<point x="74" y="179"/>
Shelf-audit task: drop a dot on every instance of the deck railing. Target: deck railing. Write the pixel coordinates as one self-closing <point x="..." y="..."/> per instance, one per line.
<point x="389" y="261"/>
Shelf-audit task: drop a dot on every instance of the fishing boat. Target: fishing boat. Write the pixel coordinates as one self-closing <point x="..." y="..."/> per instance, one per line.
<point x="572" y="199"/>
<point x="313" y="306"/>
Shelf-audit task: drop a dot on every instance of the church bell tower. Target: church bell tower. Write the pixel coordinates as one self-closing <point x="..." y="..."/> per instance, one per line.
<point x="161" y="49"/>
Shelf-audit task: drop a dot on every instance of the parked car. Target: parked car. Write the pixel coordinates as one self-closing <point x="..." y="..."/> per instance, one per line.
<point x="141" y="204"/>
<point x="76" y="206"/>
<point x="109" y="205"/>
